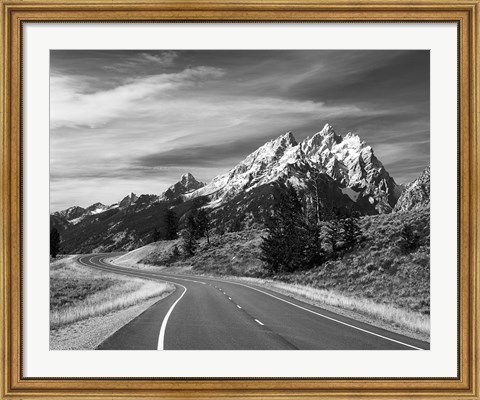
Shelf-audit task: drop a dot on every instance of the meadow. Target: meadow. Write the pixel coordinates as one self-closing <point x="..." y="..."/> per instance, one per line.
<point x="78" y="292"/>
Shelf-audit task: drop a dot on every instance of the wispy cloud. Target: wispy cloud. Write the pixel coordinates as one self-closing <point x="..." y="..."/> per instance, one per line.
<point x="137" y="120"/>
<point x="163" y="59"/>
<point x="71" y="106"/>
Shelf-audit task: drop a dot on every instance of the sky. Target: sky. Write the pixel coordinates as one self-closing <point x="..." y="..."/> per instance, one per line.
<point x="135" y="121"/>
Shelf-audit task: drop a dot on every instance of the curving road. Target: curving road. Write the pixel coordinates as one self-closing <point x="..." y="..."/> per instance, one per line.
<point x="216" y="314"/>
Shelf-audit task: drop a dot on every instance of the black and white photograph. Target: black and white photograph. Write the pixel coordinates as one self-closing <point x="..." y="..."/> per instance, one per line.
<point x="239" y="200"/>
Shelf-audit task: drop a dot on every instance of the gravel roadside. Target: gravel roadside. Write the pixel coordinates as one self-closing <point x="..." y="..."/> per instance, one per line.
<point x="88" y="334"/>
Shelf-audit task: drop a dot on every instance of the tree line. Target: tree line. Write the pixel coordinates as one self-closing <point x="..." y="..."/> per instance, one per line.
<point x="300" y="237"/>
<point x="197" y="225"/>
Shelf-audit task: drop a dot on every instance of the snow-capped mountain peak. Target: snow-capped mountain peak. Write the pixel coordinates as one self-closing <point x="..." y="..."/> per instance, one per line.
<point x="189" y="182"/>
<point x="274" y="149"/>
<point x="347" y="160"/>
<point x="186" y="184"/>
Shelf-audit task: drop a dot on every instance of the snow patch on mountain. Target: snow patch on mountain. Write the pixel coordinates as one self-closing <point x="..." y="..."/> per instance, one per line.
<point x="347" y="160"/>
<point x="185" y="185"/>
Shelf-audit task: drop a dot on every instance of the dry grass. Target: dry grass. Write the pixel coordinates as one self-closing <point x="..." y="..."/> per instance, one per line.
<point x="78" y="292"/>
<point x="410" y="320"/>
<point x="375" y="278"/>
<point x="376" y="269"/>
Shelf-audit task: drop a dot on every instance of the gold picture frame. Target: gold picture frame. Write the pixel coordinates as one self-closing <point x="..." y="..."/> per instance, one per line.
<point x="464" y="13"/>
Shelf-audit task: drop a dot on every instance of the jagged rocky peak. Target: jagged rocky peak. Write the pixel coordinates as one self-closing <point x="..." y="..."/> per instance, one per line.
<point x="286" y="140"/>
<point x="186" y="184"/>
<point x="347" y="160"/>
<point x="189" y="182"/>
<point x="416" y="194"/>
<point x="321" y="140"/>
<point x="128" y="200"/>
<point x="270" y="151"/>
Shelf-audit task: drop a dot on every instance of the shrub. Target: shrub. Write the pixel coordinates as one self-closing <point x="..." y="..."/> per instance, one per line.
<point x="409" y="239"/>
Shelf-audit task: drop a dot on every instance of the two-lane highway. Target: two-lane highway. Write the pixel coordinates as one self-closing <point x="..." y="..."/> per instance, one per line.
<point x="217" y="314"/>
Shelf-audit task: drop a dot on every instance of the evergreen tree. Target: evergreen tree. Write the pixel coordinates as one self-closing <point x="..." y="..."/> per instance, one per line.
<point x="155" y="235"/>
<point x="171" y="225"/>
<point x="189" y="243"/>
<point x="203" y="223"/>
<point x="283" y="247"/>
<point x="271" y="246"/>
<point x="313" y="250"/>
<point x="351" y="232"/>
<point x="175" y="252"/>
<point x="409" y="239"/>
<point x="319" y="181"/>
<point x="189" y="235"/>
<point x="54" y="242"/>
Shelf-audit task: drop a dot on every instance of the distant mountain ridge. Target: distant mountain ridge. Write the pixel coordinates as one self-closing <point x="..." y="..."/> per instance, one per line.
<point x="343" y="171"/>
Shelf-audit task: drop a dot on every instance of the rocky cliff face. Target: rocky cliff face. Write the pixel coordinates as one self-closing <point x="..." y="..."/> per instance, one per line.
<point x="416" y="194"/>
<point x="346" y="160"/>
<point x="186" y="184"/>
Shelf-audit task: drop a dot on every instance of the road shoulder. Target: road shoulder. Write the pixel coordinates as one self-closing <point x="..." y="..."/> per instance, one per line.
<point x="90" y="333"/>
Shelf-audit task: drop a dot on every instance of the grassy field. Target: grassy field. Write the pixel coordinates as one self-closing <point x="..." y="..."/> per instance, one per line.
<point x="376" y="278"/>
<point x="78" y="292"/>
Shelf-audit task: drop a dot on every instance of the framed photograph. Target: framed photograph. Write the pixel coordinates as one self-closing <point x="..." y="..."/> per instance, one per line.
<point x="255" y="199"/>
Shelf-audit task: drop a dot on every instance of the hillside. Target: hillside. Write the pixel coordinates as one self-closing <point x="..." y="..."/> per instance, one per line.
<point x="375" y="269"/>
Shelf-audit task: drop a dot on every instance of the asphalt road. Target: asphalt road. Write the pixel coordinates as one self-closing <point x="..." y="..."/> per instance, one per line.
<point x="216" y="314"/>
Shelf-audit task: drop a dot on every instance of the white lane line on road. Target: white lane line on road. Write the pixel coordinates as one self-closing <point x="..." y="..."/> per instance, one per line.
<point x="229" y="298"/>
<point x="324" y="316"/>
<point x="161" y="337"/>
<point x="259" y="322"/>
<point x="239" y="307"/>
<point x="330" y="318"/>
<point x="303" y="308"/>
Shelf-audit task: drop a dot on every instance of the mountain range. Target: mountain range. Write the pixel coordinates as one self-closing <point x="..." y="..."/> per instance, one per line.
<point x="341" y="173"/>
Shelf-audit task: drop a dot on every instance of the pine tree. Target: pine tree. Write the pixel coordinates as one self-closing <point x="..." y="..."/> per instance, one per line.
<point x="54" y="242"/>
<point x="319" y="181"/>
<point x="283" y="247"/>
<point x="155" y="235"/>
<point x="189" y="243"/>
<point x="203" y="222"/>
<point x="313" y="249"/>
<point x="189" y="235"/>
<point x="409" y="239"/>
<point x="171" y="225"/>
<point x="271" y="246"/>
<point x="352" y="233"/>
